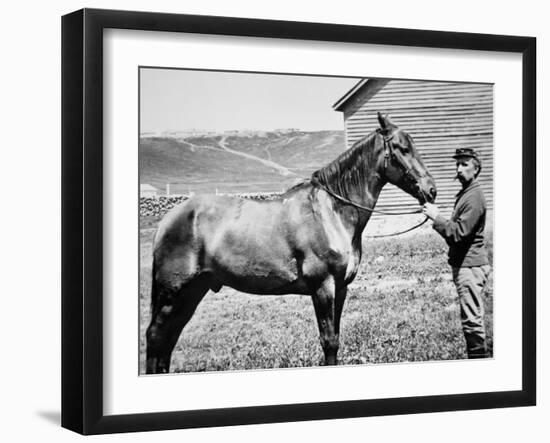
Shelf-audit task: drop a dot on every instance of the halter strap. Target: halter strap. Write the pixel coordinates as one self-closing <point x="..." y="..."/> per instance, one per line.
<point x="388" y="153"/>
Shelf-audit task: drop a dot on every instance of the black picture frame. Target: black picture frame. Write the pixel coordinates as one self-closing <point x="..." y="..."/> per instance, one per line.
<point x="82" y="218"/>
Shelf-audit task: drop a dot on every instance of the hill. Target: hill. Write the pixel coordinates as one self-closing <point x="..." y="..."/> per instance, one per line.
<point x="250" y="161"/>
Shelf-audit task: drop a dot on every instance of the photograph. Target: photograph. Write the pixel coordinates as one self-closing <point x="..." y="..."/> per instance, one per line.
<point x="273" y="219"/>
<point x="293" y="221"/>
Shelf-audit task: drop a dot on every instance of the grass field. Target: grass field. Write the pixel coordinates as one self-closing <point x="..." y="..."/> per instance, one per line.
<point x="401" y="307"/>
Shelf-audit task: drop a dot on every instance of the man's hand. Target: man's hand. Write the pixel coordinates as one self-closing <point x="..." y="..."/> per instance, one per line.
<point x="430" y="210"/>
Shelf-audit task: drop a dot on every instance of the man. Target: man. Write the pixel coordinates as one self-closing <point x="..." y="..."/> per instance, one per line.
<point x="467" y="253"/>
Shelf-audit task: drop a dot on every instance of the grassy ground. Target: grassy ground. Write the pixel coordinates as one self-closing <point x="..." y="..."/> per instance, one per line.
<point x="401" y="307"/>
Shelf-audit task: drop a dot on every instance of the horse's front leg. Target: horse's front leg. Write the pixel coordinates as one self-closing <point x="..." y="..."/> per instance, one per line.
<point x="340" y="298"/>
<point x="325" y="310"/>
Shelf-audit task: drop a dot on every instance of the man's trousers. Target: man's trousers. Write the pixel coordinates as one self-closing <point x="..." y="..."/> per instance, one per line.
<point x="470" y="284"/>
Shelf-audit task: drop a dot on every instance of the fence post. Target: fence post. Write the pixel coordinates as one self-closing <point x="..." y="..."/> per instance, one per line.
<point x="167" y="188"/>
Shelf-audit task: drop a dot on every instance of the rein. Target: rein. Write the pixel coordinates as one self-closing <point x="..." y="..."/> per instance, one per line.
<point x="387" y="155"/>
<point x="357" y="205"/>
<point x="365" y="208"/>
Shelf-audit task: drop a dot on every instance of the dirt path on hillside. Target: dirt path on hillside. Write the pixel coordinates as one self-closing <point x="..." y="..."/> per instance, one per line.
<point x="270" y="164"/>
<point x="193" y="146"/>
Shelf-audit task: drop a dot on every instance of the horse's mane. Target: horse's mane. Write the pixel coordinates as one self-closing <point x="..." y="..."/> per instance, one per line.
<point x="300" y="184"/>
<point x="347" y="172"/>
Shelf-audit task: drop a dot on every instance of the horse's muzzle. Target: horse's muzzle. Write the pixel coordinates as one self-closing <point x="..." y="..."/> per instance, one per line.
<point x="426" y="194"/>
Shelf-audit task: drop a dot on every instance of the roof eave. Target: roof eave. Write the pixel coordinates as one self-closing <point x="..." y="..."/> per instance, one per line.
<point x="339" y="105"/>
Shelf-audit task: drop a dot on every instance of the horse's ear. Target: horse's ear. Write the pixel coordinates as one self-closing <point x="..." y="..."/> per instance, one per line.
<point x="385" y="122"/>
<point x="381" y="120"/>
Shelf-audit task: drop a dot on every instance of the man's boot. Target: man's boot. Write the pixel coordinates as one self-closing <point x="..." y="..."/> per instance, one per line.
<point x="475" y="346"/>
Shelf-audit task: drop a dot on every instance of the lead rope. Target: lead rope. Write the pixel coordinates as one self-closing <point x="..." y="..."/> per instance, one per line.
<point x="400" y="232"/>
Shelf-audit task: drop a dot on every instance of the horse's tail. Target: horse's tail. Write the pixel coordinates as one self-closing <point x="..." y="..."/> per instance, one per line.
<point x="176" y="227"/>
<point x="157" y="239"/>
<point x="154" y="288"/>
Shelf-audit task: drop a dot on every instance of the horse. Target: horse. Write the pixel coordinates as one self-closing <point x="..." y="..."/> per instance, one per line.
<point x="306" y="241"/>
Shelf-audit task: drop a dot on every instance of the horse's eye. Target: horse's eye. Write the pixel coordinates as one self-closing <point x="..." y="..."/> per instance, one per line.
<point x="403" y="148"/>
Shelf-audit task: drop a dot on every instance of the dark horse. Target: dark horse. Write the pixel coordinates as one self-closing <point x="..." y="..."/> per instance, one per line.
<point x="307" y="241"/>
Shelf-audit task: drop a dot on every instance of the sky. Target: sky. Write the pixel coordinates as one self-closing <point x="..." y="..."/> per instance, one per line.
<point x="184" y="100"/>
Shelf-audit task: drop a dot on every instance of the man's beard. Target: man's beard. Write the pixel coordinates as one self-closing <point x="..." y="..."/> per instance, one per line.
<point x="463" y="181"/>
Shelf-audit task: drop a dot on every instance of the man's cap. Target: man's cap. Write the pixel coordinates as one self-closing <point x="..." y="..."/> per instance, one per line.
<point x="465" y="152"/>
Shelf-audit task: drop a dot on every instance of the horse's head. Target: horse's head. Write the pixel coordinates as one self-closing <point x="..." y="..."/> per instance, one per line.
<point x="401" y="163"/>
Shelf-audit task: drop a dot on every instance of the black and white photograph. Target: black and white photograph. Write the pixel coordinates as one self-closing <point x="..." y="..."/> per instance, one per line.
<point x="291" y="221"/>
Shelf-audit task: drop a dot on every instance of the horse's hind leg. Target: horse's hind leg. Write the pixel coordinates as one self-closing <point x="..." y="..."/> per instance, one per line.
<point x="171" y="311"/>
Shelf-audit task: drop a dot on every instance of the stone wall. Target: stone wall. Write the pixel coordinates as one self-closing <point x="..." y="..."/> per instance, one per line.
<point x="158" y="206"/>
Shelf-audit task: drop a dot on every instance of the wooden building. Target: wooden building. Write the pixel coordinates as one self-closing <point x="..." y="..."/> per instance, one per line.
<point x="440" y="116"/>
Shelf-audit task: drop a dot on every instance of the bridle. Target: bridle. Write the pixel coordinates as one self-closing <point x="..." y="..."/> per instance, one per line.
<point x="389" y="155"/>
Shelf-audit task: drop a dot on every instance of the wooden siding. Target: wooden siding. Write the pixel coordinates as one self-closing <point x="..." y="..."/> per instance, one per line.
<point x="440" y="117"/>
